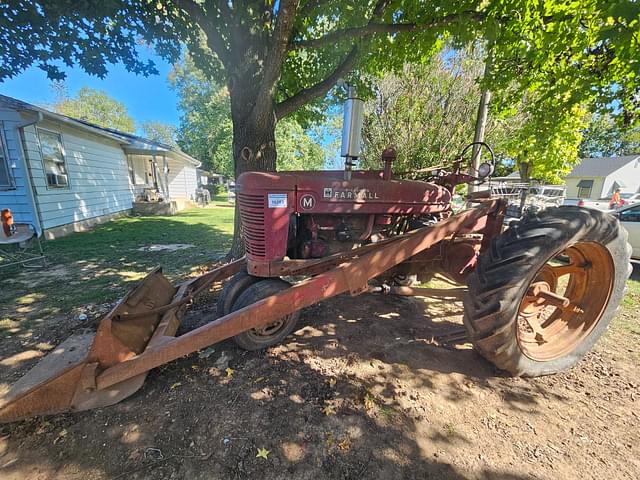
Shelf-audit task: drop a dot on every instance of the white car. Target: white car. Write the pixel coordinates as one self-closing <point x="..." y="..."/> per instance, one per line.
<point x="630" y="219"/>
<point x="603" y="203"/>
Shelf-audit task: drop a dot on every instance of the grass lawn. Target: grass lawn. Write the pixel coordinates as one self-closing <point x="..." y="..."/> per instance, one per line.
<point x="98" y="266"/>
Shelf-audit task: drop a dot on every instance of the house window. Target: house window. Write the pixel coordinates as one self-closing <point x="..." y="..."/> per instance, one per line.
<point x="138" y="170"/>
<point x="584" y="188"/>
<point x="53" y="160"/>
<point x="6" y="180"/>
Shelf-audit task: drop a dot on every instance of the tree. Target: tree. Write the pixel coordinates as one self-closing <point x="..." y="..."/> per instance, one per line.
<point x="97" y="107"/>
<point x="277" y="57"/>
<point x="206" y="129"/>
<point x="159" y="132"/>
<point x="428" y="111"/>
<point x="605" y="138"/>
<point x="545" y="148"/>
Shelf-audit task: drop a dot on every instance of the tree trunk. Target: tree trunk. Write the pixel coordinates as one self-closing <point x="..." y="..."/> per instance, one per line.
<point x="254" y="143"/>
<point x="524" y="168"/>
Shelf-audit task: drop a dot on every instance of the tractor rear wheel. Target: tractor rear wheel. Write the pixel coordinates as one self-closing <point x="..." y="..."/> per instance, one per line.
<point x="547" y="289"/>
<point x="232" y="289"/>
<point x="267" y="335"/>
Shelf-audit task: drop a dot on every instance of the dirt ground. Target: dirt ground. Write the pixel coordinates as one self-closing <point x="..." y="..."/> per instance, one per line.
<point x="359" y="391"/>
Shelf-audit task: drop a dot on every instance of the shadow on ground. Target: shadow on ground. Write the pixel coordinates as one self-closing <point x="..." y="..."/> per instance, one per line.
<point x="359" y="391"/>
<point x="90" y="271"/>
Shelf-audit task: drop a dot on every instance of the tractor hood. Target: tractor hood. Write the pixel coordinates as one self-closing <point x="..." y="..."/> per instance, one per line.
<point x="328" y="192"/>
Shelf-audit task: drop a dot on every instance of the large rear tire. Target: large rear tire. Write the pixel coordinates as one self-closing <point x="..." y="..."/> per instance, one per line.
<point x="530" y="312"/>
<point x="233" y="288"/>
<point x="267" y="335"/>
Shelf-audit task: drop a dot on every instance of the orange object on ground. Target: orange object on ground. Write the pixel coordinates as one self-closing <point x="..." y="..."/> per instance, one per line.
<point x="7" y="222"/>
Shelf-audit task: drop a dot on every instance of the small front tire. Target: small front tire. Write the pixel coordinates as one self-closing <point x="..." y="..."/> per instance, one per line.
<point x="233" y="288"/>
<point x="267" y="335"/>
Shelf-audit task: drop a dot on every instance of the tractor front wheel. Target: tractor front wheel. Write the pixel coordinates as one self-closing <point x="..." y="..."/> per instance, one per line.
<point x="267" y="335"/>
<point x="233" y="288"/>
<point x="547" y="289"/>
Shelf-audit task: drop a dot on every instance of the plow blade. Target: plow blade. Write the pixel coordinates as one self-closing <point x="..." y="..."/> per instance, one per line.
<point x="65" y="379"/>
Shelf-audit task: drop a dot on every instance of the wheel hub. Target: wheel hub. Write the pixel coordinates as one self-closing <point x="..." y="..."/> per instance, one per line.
<point x="565" y="301"/>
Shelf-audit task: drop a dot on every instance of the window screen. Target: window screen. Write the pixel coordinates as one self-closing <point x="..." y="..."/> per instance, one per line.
<point x="5" y="174"/>
<point x="584" y="188"/>
<point x="53" y="160"/>
<point x="138" y="170"/>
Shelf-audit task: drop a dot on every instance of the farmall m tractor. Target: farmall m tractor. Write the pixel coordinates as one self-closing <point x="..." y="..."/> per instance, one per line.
<point x="538" y="294"/>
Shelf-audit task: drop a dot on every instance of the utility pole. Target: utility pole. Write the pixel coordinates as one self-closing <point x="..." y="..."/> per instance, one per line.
<point x="481" y="124"/>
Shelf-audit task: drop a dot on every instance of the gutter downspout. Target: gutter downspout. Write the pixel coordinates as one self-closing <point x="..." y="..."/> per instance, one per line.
<point x="31" y="191"/>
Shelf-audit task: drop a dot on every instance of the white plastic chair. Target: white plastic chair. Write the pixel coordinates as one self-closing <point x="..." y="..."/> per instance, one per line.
<point x="21" y="247"/>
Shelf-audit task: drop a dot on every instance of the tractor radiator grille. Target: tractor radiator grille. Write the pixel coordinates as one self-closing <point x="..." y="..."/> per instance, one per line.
<point x="252" y="219"/>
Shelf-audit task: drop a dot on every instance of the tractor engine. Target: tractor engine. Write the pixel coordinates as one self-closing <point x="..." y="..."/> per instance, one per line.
<point x="307" y="215"/>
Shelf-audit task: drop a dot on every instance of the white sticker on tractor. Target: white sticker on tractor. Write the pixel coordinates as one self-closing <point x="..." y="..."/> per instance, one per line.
<point x="277" y="200"/>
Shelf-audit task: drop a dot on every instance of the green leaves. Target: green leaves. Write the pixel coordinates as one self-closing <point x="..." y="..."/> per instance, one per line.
<point x="90" y="34"/>
<point x="97" y="107"/>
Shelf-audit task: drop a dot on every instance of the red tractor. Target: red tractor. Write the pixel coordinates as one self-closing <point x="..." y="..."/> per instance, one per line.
<point x="539" y="294"/>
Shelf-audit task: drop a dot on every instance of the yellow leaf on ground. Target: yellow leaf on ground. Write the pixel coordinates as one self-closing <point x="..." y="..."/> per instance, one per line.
<point x="262" y="452"/>
<point x="369" y="401"/>
<point x="229" y="371"/>
<point x="345" y="445"/>
<point x="329" y="410"/>
<point x="175" y="385"/>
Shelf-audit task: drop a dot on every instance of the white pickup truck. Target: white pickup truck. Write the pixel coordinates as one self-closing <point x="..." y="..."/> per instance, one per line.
<point x="603" y="203"/>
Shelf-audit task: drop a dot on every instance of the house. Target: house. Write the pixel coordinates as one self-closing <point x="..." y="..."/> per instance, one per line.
<point x="61" y="174"/>
<point x="595" y="178"/>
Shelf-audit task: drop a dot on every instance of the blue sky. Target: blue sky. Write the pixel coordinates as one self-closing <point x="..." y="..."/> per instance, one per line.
<point x="148" y="98"/>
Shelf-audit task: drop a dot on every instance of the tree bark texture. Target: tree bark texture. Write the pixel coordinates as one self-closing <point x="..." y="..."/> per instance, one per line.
<point x="254" y="144"/>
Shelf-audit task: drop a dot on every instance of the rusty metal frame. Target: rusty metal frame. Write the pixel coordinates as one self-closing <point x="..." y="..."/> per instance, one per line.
<point x="351" y="276"/>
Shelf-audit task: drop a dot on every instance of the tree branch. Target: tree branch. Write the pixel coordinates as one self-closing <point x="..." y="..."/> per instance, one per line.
<point x="336" y="36"/>
<point x="280" y="39"/>
<point x="278" y="48"/>
<point x="214" y="40"/>
<point x="291" y="104"/>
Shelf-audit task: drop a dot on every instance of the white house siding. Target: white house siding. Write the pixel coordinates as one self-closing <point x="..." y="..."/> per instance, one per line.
<point x="18" y="198"/>
<point x="97" y="173"/>
<point x="596" y="190"/>
<point x="628" y="175"/>
<point x="183" y="180"/>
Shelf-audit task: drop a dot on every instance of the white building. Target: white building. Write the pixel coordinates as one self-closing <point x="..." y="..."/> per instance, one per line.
<point x="61" y="174"/>
<point x="595" y="178"/>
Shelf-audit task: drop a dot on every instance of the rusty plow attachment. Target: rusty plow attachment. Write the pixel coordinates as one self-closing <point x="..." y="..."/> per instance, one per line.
<point x="66" y="378"/>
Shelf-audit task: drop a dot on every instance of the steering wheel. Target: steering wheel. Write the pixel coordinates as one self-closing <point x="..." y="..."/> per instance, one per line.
<point x="485" y="169"/>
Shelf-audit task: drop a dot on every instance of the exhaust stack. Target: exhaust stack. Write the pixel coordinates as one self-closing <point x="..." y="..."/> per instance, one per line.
<point x="351" y="131"/>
